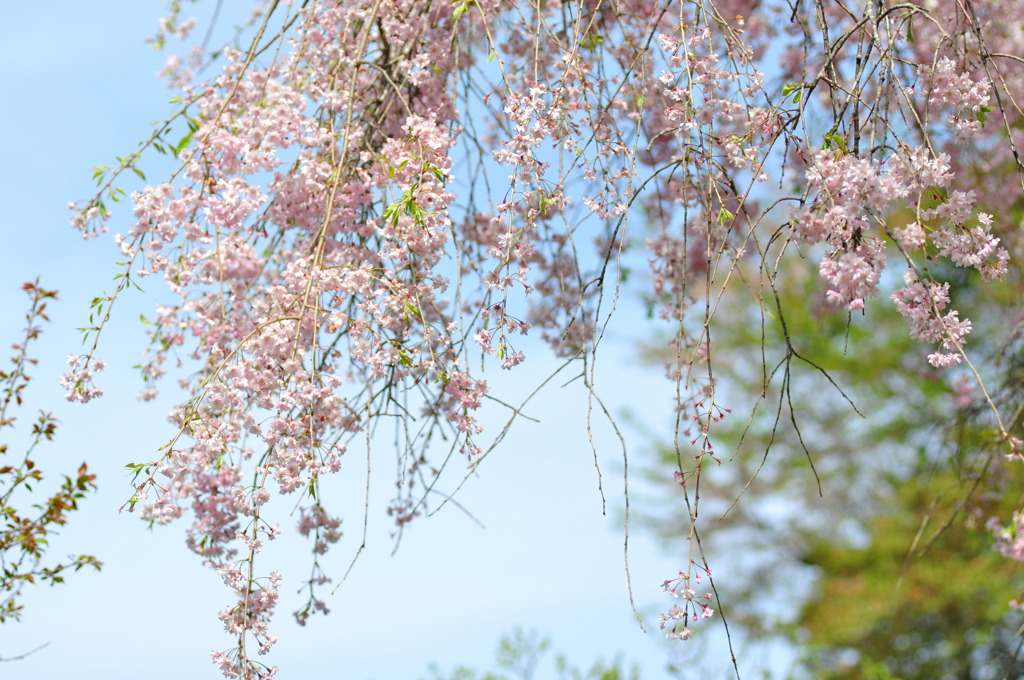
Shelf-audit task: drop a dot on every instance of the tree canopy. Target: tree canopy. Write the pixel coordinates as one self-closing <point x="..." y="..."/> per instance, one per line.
<point x="376" y="207"/>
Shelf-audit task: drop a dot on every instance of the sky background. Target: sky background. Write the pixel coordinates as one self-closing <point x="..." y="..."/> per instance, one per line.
<point x="80" y="88"/>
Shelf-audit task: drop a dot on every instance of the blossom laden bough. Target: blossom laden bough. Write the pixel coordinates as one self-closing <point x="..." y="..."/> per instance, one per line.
<point x="374" y="199"/>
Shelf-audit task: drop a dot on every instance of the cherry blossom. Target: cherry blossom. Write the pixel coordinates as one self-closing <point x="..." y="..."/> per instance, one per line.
<point x="375" y="201"/>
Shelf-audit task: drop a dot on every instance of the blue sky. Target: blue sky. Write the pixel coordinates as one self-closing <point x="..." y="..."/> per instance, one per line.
<point x="80" y="89"/>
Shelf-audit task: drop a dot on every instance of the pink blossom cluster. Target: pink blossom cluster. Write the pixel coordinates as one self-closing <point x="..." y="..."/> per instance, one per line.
<point x="1009" y="538"/>
<point x="315" y="519"/>
<point x="256" y="602"/>
<point x="853" y="275"/>
<point x="694" y="608"/>
<point x="78" y="381"/>
<point x="975" y="247"/>
<point x="89" y="220"/>
<point x="853" y="198"/>
<point x="922" y="304"/>
<point x="948" y="87"/>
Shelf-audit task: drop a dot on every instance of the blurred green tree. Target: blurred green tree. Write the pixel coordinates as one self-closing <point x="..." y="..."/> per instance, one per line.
<point x="519" y="656"/>
<point x="859" y="498"/>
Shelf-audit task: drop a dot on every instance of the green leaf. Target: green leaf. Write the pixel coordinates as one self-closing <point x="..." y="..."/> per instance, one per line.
<point x="460" y="9"/>
<point x="184" y="142"/>
<point x="391" y="213"/>
<point x="832" y="139"/>
<point x="437" y="172"/>
<point x="591" y="41"/>
<point x="413" y="310"/>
